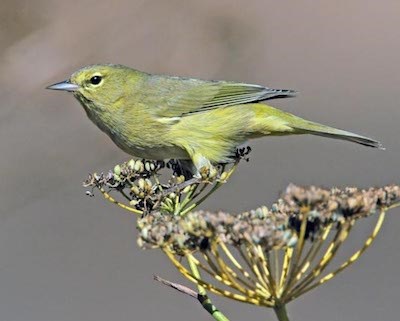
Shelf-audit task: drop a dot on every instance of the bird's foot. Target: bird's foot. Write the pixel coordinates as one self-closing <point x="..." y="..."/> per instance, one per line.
<point x="204" y="169"/>
<point x="207" y="173"/>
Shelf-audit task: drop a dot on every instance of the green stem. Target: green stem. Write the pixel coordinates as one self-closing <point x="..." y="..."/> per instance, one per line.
<point x="213" y="189"/>
<point x="194" y="205"/>
<point x="281" y="313"/>
<point x="203" y="298"/>
<point x="210" y="308"/>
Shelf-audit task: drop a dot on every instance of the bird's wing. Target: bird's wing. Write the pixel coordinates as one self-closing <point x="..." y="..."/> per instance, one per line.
<point x="175" y="96"/>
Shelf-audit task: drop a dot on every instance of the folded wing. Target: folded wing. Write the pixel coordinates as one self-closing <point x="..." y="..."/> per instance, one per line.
<point x="176" y="97"/>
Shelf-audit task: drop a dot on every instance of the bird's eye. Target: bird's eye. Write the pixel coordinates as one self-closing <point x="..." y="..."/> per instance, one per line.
<point x="95" y="80"/>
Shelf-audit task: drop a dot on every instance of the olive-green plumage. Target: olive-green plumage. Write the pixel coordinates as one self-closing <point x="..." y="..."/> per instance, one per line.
<point x="162" y="117"/>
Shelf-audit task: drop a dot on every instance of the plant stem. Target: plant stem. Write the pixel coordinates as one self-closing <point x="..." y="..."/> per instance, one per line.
<point x="203" y="297"/>
<point x="281" y="313"/>
<point x="211" y="308"/>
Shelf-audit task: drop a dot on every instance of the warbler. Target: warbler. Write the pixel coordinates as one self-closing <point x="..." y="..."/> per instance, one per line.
<point x="164" y="117"/>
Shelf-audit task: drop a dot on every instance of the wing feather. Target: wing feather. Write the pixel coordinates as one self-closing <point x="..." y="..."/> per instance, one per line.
<point x="176" y="97"/>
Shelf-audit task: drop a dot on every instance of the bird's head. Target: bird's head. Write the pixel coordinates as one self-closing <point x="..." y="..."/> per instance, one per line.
<point x="99" y="86"/>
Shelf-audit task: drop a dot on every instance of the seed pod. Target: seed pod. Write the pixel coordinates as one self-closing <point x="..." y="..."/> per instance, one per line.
<point x="131" y="164"/>
<point x="117" y="170"/>
<point x="141" y="183"/>
<point x="148" y="185"/>
<point x="133" y="202"/>
<point x="139" y="167"/>
<point x="145" y="232"/>
<point x="135" y="190"/>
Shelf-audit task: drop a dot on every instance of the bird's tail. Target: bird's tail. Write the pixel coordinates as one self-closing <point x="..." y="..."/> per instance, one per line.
<point x="326" y="131"/>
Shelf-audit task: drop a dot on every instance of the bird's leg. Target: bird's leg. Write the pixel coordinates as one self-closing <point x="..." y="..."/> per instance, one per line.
<point x="196" y="171"/>
<point x="186" y="168"/>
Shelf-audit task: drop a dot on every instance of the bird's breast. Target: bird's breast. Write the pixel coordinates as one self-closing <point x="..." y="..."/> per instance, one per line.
<point x="138" y="137"/>
<point x="158" y="152"/>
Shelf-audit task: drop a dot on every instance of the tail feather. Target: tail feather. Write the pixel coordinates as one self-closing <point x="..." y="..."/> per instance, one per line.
<point x="350" y="137"/>
<point x="278" y="93"/>
<point x="330" y="132"/>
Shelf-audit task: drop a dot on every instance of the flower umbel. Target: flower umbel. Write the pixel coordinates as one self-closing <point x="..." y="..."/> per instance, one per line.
<point x="138" y="183"/>
<point x="268" y="257"/>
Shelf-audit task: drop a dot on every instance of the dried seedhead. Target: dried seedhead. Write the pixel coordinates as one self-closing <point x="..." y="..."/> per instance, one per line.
<point x="140" y="187"/>
<point x="265" y="256"/>
<point x="268" y="256"/>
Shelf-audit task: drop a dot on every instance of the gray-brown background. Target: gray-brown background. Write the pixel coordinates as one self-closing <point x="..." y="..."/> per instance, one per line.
<point x="64" y="256"/>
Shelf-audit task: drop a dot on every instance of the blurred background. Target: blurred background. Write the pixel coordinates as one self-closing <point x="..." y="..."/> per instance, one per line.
<point x="65" y="256"/>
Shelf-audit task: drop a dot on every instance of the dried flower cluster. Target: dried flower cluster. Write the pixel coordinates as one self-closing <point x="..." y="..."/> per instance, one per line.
<point x="324" y="207"/>
<point x="265" y="257"/>
<point x="350" y="201"/>
<point x="284" y="251"/>
<point x="140" y="186"/>
<point x="277" y="227"/>
<point x="196" y="230"/>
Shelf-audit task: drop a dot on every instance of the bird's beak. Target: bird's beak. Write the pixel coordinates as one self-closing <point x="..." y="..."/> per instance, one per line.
<point x="64" y="85"/>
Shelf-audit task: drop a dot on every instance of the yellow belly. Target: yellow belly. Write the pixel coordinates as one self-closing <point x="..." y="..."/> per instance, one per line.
<point x="157" y="152"/>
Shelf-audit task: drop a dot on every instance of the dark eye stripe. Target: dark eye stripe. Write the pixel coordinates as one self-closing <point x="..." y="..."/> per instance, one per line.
<point x="95" y="80"/>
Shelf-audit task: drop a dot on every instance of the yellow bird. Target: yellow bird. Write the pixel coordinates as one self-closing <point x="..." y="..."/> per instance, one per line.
<point x="164" y="117"/>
